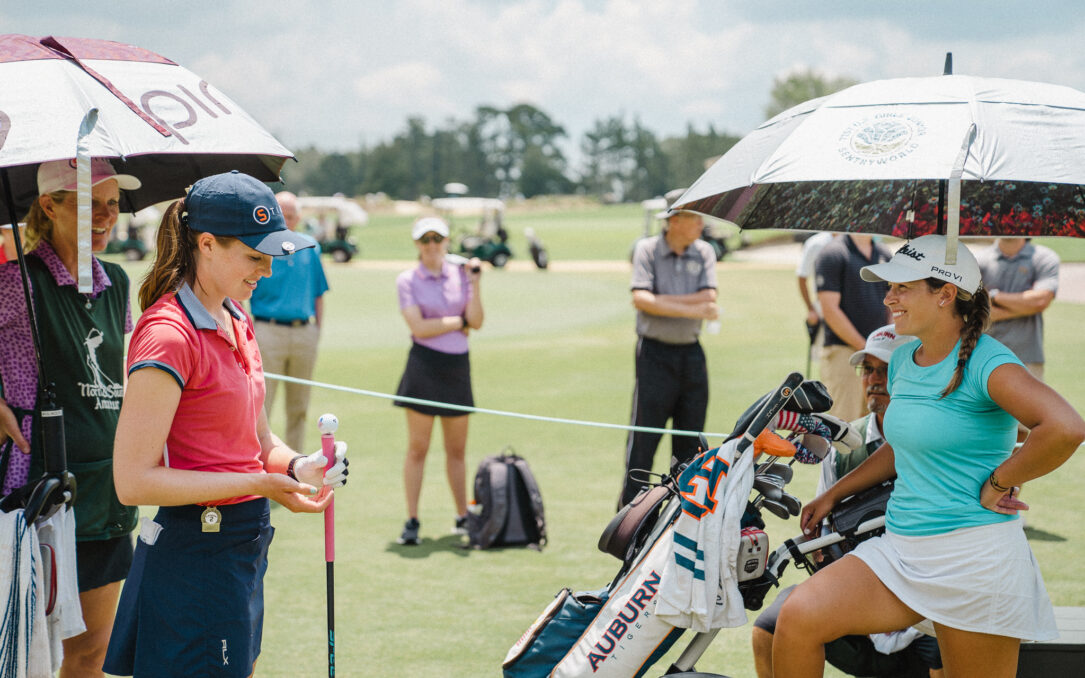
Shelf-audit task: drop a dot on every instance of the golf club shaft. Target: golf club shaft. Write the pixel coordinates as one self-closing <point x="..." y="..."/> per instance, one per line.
<point x="327" y="444"/>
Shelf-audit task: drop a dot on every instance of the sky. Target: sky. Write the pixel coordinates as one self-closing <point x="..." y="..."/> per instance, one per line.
<point x="339" y="74"/>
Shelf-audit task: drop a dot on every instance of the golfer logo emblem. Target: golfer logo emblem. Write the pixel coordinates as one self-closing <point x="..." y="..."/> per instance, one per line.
<point x="106" y="392"/>
<point x="261" y="215"/>
<point x="880" y="139"/>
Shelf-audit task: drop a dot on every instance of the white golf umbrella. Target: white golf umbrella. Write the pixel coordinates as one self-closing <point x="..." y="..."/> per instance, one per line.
<point x="905" y="157"/>
<point x="82" y="98"/>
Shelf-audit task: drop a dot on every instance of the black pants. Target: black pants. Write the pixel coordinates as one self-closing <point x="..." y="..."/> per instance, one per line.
<point x="672" y="383"/>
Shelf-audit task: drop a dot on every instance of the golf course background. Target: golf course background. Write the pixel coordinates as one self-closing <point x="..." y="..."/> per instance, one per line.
<point x="555" y="343"/>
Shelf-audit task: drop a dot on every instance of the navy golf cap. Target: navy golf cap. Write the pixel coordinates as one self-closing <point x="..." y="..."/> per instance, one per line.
<point x="239" y="206"/>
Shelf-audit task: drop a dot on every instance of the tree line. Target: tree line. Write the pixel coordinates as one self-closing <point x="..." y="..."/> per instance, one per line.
<point x="517" y="151"/>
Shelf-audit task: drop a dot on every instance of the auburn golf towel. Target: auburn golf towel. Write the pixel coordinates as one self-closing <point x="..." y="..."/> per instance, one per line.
<point x="699" y="586"/>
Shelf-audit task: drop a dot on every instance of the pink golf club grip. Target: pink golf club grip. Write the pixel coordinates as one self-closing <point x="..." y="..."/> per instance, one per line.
<point x="327" y="444"/>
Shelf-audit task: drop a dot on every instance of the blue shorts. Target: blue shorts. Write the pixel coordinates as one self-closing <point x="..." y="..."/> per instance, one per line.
<point x="193" y="604"/>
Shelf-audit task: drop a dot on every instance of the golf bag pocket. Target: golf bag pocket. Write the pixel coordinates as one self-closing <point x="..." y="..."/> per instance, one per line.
<point x="507" y="508"/>
<point x="551" y="635"/>
<point x="626" y="637"/>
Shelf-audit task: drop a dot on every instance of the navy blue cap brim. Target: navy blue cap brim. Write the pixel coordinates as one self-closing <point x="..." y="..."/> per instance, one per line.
<point x="278" y="243"/>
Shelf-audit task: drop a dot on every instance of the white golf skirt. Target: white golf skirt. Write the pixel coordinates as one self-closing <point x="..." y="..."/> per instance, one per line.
<point x="983" y="579"/>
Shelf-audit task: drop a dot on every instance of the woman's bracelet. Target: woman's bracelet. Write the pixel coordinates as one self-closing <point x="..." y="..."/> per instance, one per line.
<point x="290" y="466"/>
<point x="994" y="483"/>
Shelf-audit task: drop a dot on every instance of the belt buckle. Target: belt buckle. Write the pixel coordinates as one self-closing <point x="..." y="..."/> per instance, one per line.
<point x="210" y="519"/>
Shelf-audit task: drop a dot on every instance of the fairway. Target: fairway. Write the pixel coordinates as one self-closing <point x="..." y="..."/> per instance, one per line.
<point x="558" y="344"/>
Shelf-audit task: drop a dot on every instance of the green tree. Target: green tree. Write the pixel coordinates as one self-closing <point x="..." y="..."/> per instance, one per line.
<point x="506" y="134"/>
<point x="689" y="156"/>
<point x="801" y="86"/>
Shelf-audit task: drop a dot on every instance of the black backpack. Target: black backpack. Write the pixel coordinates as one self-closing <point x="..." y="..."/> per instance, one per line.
<point x="507" y="509"/>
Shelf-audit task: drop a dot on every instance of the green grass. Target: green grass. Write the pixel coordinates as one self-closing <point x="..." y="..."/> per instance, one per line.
<point x="582" y="232"/>
<point x="555" y="344"/>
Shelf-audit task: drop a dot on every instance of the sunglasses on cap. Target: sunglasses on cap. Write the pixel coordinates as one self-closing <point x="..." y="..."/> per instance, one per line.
<point x="431" y="237"/>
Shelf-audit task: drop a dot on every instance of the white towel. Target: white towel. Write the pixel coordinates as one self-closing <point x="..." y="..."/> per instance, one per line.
<point x="699" y="585"/>
<point x="24" y="644"/>
<point x="66" y="619"/>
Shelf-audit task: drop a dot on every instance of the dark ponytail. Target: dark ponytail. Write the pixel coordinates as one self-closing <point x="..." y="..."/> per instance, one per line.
<point x="975" y="310"/>
<point x="175" y="260"/>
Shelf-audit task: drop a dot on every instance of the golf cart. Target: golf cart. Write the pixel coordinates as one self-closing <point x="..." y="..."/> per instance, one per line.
<point x="487" y="241"/>
<point x="329" y="220"/>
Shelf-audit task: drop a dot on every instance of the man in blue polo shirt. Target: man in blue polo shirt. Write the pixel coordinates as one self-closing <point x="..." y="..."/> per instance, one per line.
<point x="288" y="309"/>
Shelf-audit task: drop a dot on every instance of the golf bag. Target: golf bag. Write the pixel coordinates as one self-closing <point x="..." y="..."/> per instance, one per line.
<point x="507" y="509"/>
<point x="620" y="631"/>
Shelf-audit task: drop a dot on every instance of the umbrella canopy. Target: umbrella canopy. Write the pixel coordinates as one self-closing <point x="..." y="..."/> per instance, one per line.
<point x="1007" y="156"/>
<point x="159" y="121"/>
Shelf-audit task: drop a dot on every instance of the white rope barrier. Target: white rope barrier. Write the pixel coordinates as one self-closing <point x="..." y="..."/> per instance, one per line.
<point x="483" y="410"/>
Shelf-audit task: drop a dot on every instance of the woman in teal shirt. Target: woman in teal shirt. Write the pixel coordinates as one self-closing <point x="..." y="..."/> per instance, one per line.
<point x="954" y="560"/>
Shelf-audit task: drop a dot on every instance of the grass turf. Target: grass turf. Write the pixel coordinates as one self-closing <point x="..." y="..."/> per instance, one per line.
<point x="556" y="344"/>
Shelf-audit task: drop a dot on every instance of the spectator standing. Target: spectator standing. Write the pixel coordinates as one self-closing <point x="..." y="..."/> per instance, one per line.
<point x="852" y="309"/>
<point x="82" y="338"/>
<point x="674" y="290"/>
<point x="805" y="275"/>
<point x="288" y="310"/>
<point x="1022" y="279"/>
<point x="441" y="303"/>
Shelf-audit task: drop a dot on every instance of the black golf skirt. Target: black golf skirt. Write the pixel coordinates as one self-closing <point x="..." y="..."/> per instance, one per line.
<point x="437" y="376"/>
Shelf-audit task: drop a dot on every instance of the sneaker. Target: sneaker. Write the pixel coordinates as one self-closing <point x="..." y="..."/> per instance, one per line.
<point x="461" y="526"/>
<point x="410" y="533"/>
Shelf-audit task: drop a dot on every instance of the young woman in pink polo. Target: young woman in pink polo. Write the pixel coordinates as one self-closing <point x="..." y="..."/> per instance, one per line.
<point x="193" y="439"/>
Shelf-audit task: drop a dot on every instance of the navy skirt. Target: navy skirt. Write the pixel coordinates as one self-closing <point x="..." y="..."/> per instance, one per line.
<point x="437" y="376"/>
<point x="193" y="604"/>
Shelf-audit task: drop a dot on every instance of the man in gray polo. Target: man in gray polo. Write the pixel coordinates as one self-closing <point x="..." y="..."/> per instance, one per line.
<point x="674" y="290"/>
<point x="1022" y="279"/>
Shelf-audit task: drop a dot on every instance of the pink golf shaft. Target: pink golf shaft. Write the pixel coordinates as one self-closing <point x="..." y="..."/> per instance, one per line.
<point x="327" y="444"/>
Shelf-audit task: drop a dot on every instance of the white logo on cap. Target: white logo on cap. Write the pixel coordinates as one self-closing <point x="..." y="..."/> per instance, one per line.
<point x="880" y="139"/>
<point x="288" y="247"/>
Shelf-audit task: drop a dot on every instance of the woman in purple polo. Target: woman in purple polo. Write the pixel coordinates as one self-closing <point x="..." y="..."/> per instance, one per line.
<point x="441" y="303"/>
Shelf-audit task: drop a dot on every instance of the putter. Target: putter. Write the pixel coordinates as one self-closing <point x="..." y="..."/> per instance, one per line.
<point x="328" y="423"/>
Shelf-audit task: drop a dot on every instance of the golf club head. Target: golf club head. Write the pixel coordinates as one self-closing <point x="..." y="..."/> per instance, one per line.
<point x="767" y="488"/>
<point x="791" y="502"/>
<point x="781" y="471"/>
<point x="776" y="508"/>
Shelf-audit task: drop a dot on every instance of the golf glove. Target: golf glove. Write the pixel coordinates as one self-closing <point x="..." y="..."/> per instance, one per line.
<point x="310" y="469"/>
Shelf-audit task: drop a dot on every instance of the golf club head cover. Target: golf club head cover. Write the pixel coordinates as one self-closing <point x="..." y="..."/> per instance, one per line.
<point x="809" y="397"/>
<point x="768" y="442"/>
<point x="310" y="469"/>
<point x="825" y="425"/>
